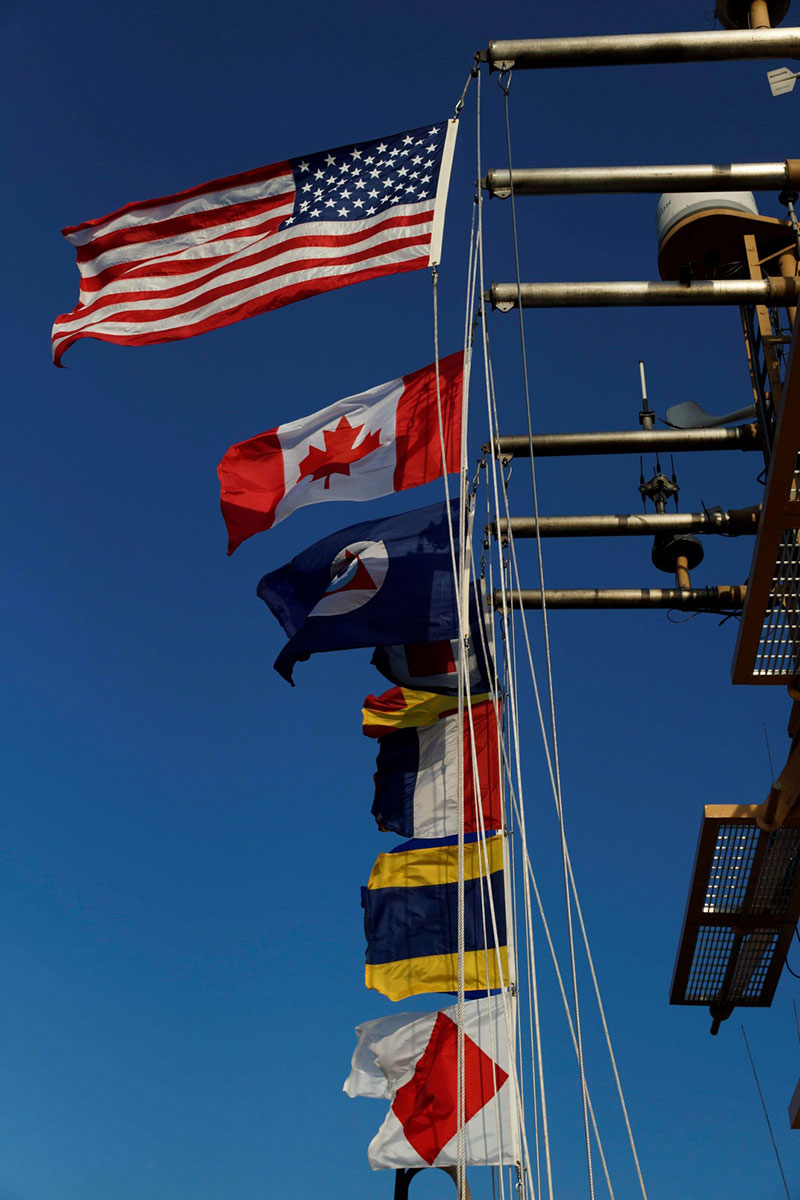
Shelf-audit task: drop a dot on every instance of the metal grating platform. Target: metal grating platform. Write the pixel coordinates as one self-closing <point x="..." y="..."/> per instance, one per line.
<point x="744" y="902"/>
<point x="712" y="955"/>
<point x="779" y="644"/>
<point x="768" y="646"/>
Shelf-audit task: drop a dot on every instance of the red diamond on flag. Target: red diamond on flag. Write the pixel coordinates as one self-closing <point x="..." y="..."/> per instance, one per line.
<point x="426" y="1105"/>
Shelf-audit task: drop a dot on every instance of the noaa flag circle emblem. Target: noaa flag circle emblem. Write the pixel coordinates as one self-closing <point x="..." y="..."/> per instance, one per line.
<point x="357" y="573"/>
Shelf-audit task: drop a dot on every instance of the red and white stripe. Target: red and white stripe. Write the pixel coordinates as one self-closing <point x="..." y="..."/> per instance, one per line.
<point x="165" y="269"/>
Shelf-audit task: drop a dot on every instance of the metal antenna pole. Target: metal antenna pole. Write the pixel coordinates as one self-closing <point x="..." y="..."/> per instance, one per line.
<point x="766" y="1115"/>
<point x="646" y="415"/>
<point x="789" y="198"/>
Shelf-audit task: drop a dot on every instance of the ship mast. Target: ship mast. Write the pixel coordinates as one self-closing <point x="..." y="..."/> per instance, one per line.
<point x="715" y="249"/>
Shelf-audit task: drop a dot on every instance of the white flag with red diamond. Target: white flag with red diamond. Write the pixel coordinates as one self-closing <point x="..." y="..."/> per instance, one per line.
<point x="380" y="441"/>
<point x="412" y="1060"/>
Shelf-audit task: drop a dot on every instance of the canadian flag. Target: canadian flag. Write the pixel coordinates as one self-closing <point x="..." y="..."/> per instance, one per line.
<point x="362" y="447"/>
<point x="412" y="1060"/>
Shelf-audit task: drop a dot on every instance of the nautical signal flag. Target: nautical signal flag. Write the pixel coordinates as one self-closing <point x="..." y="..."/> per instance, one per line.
<point x="380" y="441"/>
<point x="432" y="666"/>
<point x="378" y="581"/>
<point x="403" y="708"/>
<point x="417" y="776"/>
<point x="411" y="918"/>
<point x="159" y="270"/>
<point x="411" y="1059"/>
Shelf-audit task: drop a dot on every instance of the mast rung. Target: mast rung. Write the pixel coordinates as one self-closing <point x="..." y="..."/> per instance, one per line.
<point x="731" y="523"/>
<point x="612" y="50"/>
<point x="645" y="293"/>
<point x="554" y="181"/>
<point x="626" y="441"/>
<point x="722" y="598"/>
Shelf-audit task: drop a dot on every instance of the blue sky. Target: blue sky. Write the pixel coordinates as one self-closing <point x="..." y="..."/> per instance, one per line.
<point x="185" y="835"/>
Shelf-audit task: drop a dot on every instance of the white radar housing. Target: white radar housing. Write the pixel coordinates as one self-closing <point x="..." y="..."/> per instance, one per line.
<point x="676" y="206"/>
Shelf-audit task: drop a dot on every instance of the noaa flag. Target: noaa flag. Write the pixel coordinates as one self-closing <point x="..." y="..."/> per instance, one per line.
<point x="411" y="918"/>
<point x="411" y="1059"/>
<point x="370" y="584"/>
<point x="416" y="780"/>
<point x="364" y="446"/>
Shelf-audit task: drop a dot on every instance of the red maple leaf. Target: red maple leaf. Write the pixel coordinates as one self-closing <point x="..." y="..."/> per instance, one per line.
<point x="339" y="452"/>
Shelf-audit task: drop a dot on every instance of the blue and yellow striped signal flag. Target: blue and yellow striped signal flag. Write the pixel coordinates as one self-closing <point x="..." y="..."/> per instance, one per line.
<point x="411" y="918"/>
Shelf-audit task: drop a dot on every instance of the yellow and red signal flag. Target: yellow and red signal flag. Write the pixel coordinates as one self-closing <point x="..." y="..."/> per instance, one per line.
<point x="405" y="708"/>
<point x="380" y="441"/>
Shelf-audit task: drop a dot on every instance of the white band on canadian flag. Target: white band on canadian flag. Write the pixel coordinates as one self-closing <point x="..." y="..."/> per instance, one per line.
<point x="365" y="422"/>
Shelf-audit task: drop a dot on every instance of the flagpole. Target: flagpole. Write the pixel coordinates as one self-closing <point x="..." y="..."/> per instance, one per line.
<point x="465" y="522"/>
<point x="404" y="1175"/>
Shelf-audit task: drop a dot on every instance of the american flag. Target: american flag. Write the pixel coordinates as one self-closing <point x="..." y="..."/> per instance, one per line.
<point x="159" y="270"/>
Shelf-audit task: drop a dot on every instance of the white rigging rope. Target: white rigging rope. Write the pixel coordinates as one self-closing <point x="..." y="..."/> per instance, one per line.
<point x="457" y="556"/>
<point x="549" y="668"/>
<point x="533" y="1008"/>
<point x="529" y="875"/>
<point x="509" y="624"/>
<point x="463" y="571"/>
<point x="518" y="808"/>
<point x="503" y="753"/>
<point x="461" y="563"/>
<point x="537" y="1041"/>
<point x="490" y="660"/>
<point x="578" y="907"/>
<point x="507" y="615"/>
